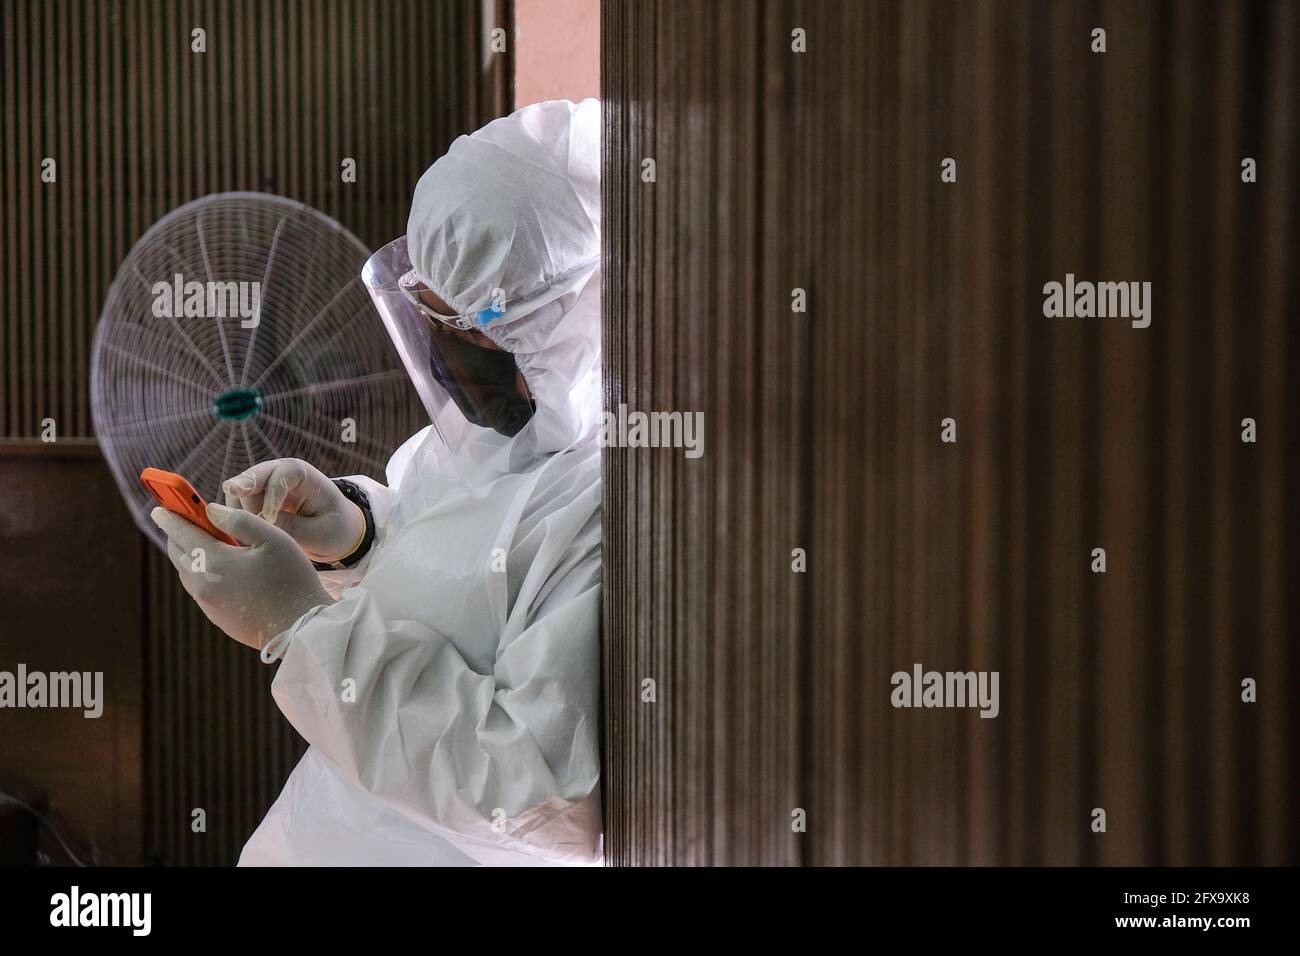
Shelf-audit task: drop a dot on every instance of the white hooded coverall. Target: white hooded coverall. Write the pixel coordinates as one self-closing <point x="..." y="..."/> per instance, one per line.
<point x="451" y="695"/>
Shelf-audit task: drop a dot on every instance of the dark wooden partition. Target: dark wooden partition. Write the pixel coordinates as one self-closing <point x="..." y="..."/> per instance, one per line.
<point x="776" y="171"/>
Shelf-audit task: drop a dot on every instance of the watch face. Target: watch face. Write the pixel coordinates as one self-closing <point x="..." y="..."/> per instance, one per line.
<point x="352" y="492"/>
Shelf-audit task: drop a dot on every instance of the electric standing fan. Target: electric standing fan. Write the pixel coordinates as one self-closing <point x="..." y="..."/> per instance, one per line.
<point x="238" y="330"/>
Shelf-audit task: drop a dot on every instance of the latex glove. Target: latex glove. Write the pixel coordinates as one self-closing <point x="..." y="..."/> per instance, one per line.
<point x="300" y="500"/>
<point x="252" y="593"/>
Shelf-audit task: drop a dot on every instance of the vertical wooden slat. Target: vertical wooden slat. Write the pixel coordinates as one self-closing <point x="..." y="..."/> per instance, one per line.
<point x="1222" y="513"/>
<point x="9" y="219"/>
<point x="1120" y="595"/>
<point x="1173" y="726"/>
<point x="1275" y="512"/>
<point x="977" y="107"/>
<point x="1014" y="416"/>
<point x="37" y="233"/>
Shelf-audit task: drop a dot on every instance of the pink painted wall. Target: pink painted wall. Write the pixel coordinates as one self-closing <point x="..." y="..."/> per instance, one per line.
<point x="557" y="50"/>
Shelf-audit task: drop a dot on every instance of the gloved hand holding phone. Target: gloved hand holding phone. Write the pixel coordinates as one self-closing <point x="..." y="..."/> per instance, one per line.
<point x="253" y="591"/>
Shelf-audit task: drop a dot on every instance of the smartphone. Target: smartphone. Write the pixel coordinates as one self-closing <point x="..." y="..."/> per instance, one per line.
<point x="179" y="497"/>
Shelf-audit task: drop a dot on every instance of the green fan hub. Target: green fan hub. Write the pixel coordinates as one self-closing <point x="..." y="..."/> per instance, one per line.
<point x="237" y="404"/>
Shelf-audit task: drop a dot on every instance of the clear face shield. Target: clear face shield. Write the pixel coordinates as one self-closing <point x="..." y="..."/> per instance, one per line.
<point x="470" y="387"/>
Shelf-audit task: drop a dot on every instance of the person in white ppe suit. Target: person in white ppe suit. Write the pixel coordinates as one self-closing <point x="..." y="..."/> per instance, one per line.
<point x="442" y="657"/>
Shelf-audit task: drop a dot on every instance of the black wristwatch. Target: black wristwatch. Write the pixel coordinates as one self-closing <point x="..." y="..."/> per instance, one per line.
<point x="354" y="494"/>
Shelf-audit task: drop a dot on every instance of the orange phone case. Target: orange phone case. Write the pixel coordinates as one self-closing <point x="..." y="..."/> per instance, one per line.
<point x="179" y="497"/>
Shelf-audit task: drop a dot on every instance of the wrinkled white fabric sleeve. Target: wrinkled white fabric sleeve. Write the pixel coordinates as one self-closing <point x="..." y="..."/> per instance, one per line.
<point x="507" y="762"/>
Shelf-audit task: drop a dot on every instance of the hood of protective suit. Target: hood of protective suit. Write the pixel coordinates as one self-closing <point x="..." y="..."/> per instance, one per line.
<point x="506" y="226"/>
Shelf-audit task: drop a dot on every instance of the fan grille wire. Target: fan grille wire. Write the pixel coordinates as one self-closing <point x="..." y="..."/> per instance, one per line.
<point x="317" y="358"/>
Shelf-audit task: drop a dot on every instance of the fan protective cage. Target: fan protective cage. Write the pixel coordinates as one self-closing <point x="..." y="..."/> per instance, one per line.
<point x="313" y="375"/>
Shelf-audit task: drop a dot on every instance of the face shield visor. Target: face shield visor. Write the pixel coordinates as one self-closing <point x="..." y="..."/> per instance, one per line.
<point x="467" y="383"/>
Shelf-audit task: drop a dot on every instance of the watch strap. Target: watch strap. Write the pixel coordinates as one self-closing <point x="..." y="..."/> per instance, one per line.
<point x="358" y="497"/>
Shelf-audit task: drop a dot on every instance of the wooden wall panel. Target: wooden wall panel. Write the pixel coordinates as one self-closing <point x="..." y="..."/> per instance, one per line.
<point x="139" y="125"/>
<point x="72" y="604"/>
<point x="821" y="171"/>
